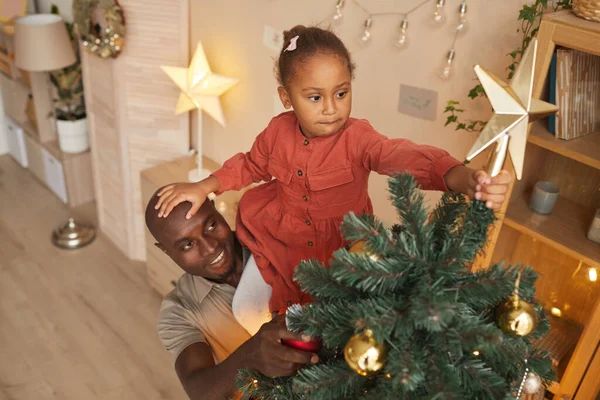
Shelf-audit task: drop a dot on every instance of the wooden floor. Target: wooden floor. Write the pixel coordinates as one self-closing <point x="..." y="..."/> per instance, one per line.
<point x="73" y="324"/>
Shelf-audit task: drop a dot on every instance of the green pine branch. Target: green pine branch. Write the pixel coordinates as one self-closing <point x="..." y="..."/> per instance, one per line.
<point x="414" y="290"/>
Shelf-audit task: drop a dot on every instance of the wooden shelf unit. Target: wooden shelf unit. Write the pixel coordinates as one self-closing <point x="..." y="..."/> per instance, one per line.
<point x="556" y="245"/>
<point x="565" y="229"/>
<point x="585" y="149"/>
<point x="69" y="176"/>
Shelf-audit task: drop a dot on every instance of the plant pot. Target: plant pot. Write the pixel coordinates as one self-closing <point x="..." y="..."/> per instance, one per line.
<point x="72" y="135"/>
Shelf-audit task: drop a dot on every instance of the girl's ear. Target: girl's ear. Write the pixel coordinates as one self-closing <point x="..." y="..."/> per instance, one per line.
<point x="284" y="97"/>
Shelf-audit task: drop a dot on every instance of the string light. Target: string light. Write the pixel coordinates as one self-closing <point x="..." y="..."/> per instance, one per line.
<point x="365" y="36"/>
<point x="593" y="274"/>
<point x="447" y="72"/>
<point x="522" y="382"/>
<point x="463" y="25"/>
<point x="476" y="353"/>
<point x="439" y="16"/>
<point x="338" y="15"/>
<point x="402" y="40"/>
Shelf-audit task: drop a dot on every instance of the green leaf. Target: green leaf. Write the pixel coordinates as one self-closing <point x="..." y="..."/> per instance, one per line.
<point x="452" y="103"/>
<point x="528" y="13"/>
<point x="460" y="126"/>
<point x="476" y="92"/>
<point x="451" y="119"/>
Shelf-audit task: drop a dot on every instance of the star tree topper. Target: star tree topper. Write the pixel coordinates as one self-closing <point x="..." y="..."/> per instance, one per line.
<point x="514" y="109"/>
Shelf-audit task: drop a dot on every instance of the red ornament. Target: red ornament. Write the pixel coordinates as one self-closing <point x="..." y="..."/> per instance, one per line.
<point x="312" y="345"/>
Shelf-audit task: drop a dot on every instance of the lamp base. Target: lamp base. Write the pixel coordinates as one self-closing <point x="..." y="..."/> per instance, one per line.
<point x="194" y="176"/>
<point x="73" y="235"/>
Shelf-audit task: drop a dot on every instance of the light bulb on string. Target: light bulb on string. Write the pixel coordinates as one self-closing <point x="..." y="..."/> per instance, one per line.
<point x="402" y="41"/>
<point x="463" y="25"/>
<point x="439" y="16"/>
<point x="338" y="15"/>
<point x="446" y="72"/>
<point x="365" y="36"/>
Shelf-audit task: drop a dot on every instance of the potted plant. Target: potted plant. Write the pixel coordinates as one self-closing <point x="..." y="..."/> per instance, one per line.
<point x="71" y="122"/>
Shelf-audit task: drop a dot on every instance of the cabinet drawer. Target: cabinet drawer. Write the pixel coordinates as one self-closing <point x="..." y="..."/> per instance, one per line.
<point x="55" y="177"/>
<point x="15" y="138"/>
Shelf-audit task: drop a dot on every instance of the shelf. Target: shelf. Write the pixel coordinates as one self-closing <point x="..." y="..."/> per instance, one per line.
<point x="567" y="17"/>
<point x="585" y="149"/>
<point x="54" y="148"/>
<point x="565" y="229"/>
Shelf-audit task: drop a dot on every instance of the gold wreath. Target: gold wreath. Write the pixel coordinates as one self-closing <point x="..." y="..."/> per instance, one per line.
<point x="109" y="41"/>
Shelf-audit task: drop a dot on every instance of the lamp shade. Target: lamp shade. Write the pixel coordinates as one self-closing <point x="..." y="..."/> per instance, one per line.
<point x="42" y="43"/>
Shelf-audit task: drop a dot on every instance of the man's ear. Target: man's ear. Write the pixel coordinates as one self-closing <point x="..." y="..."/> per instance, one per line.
<point x="160" y="246"/>
<point x="284" y="97"/>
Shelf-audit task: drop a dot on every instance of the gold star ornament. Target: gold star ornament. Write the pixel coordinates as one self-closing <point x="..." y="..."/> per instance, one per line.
<point x="200" y="87"/>
<point x="514" y="109"/>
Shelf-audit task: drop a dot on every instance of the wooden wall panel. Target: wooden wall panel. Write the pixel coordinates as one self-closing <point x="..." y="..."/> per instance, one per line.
<point x="133" y="125"/>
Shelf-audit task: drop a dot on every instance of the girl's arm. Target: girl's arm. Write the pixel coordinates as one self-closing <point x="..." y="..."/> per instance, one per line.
<point x="427" y="164"/>
<point x="433" y="168"/>
<point x="244" y="169"/>
<point x="238" y="172"/>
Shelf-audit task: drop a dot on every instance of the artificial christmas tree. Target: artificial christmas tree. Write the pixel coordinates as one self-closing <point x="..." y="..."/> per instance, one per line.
<point x="401" y="316"/>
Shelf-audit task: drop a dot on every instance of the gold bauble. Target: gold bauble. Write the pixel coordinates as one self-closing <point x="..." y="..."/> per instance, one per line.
<point x="364" y="355"/>
<point x="516" y="318"/>
<point x="360" y="247"/>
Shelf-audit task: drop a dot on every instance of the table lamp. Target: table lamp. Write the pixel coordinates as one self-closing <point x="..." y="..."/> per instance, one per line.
<point x="42" y="44"/>
<point x="200" y="89"/>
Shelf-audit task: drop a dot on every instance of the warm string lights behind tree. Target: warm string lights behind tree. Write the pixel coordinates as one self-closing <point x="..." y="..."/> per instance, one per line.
<point x="402" y="39"/>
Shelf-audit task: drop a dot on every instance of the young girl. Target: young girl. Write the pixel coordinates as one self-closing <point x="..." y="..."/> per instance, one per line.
<point x="321" y="160"/>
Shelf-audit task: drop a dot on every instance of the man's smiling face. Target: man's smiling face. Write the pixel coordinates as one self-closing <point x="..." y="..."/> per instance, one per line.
<point x="202" y="245"/>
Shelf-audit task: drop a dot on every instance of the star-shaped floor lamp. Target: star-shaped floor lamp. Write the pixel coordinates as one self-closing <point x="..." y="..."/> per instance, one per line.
<point x="200" y="89"/>
<point x="514" y="109"/>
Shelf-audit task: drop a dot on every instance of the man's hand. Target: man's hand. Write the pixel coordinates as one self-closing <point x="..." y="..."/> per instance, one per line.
<point x="203" y="380"/>
<point x="267" y="355"/>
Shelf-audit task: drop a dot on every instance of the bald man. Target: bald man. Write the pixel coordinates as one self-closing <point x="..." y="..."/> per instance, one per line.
<point x="196" y="322"/>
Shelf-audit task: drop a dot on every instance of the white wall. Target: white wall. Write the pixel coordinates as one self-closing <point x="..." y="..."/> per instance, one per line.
<point x="231" y="32"/>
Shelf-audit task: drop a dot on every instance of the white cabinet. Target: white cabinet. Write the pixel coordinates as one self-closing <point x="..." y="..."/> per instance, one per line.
<point x="16" y="142"/>
<point x="55" y="177"/>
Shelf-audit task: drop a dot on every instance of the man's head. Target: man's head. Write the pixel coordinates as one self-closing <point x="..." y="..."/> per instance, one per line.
<point x="202" y="245"/>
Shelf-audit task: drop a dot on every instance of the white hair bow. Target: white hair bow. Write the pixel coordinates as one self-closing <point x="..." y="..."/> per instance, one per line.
<point x="292" y="46"/>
